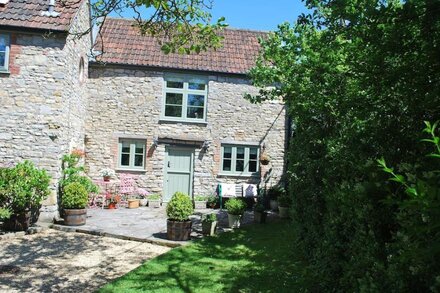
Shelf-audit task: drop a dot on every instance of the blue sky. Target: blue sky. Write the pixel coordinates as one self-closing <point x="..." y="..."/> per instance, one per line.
<point x="255" y="14"/>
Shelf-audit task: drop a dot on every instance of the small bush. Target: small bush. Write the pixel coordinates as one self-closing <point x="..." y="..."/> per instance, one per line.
<point x="209" y="218"/>
<point x="275" y="191"/>
<point x="180" y="207"/>
<point x="200" y="198"/>
<point x="75" y="196"/>
<point x="235" y="206"/>
<point x="212" y="201"/>
<point x="154" y="196"/>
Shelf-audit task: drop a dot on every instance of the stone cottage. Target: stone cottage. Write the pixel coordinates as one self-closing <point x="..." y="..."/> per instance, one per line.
<point x="175" y="122"/>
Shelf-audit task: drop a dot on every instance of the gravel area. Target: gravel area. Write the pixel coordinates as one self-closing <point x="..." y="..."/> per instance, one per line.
<point x="54" y="261"/>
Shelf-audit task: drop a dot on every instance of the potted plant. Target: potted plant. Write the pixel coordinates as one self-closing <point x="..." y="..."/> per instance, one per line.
<point x="209" y="223"/>
<point x="212" y="201"/>
<point x="143" y="194"/>
<point x="200" y="201"/>
<point x="154" y="200"/>
<point x="107" y="173"/>
<point x="22" y="189"/>
<point x="284" y="203"/>
<point x="179" y="208"/>
<point x="273" y="193"/>
<point x="264" y="159"/>
<point x="260" y="213"/>
<point x="112" y="200"/>
<point x="74" y="201"/>
<point x="133" y="202"/>
<point x="235" y="208"/>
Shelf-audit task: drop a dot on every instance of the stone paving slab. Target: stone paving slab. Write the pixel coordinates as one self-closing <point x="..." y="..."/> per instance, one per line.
<point x="55" y="261"/>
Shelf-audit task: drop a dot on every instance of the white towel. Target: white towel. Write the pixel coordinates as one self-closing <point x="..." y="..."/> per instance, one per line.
<point x="250" y="190"/>
<point x="228" y="189"/>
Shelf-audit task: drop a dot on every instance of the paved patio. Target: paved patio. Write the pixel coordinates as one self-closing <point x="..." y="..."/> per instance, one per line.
<point x="145" y="224"/>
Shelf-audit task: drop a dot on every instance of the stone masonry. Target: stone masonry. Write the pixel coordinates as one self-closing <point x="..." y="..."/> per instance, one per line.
<point x="126" y="103"/>
<point x="43" y="101"/>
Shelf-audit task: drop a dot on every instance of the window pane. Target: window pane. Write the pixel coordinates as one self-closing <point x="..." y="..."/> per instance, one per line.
<point x="227" y="152"/>
<point x="125" y="160"/>
<point x="139" y="150"/>
<point x="240" y="153"/>
<point x="196" y="86"/>
<point x="252" y="166"/>
<point x="138" y="160"/>
<point x="253" y="153"/>
<point x="174" y="99"/>
<point x="126" y="148"/>
<point x="173" y="111"/>
<point x="2" y="59"/>
<point x="226" y="165"/>
<point x="175" y="84"/>
<point x="239" y="166"/>
<point x="196" y="100"/>
<point x="2" y="43"/>
<point x="195" y="112"/>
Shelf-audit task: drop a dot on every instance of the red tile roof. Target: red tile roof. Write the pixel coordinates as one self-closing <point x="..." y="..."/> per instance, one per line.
<point x="27" y="14"/>
<point x="124" y="44"/>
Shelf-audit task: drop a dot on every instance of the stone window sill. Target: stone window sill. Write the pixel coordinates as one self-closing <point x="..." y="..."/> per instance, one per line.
<point x="4" y="72"/>
<point x="166" y="120"/>
<point x="130" y="170"/>
<point x="238" y="175"/>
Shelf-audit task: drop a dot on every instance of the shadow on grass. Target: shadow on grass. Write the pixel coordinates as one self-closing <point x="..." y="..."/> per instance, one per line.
<point x="257" y="258"/>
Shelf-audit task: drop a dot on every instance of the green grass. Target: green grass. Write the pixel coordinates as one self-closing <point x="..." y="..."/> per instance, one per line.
<point x="257" y="258"/>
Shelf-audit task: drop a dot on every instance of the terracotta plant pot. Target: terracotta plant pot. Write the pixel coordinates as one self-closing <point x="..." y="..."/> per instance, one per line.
<point x="234" y="221"/>
<point x="106" y="178"/>
<point x="18" y="222"/>
<point x="75" y="217"/>
<point x="133" y="203"/>
<point x="111" y="206"/>
<point x="178" y="231"/>
<point x="208" y="228"/>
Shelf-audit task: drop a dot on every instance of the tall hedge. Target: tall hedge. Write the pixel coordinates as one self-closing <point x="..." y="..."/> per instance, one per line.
<point x="359" y="78"/>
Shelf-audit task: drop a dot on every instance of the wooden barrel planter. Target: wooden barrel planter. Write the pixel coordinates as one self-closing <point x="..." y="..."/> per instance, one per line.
<point x="75" y="217"/>
<point x="178" y="231"/>
<point x="18" y="222"/>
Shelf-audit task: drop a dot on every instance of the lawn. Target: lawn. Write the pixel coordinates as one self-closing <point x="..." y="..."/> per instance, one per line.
<point x="256" y="258"/>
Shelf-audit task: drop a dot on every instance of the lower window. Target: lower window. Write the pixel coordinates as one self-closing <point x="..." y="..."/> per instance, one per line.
<point x="131" y="154"/>
<point x="240" y="160"/>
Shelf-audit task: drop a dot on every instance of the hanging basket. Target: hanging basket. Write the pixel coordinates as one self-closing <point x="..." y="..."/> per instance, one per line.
<point x="264" y="159"/>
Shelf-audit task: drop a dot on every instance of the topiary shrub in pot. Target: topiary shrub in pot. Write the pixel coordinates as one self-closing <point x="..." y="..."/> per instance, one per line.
<point x="74" y="202"/>
<point x="273" y="193"/>
<point x="179" y="208"/>
<point x="235" y="208"/>
<point x="22" y="190"/>
<point x="209" y="223"/>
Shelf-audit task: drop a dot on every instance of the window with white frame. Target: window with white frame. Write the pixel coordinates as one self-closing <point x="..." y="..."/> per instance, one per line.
<point x="131" y="154"/>
<point x="240" y="160"/>
<point x="185" y="99"/>
<point x="4" y="51"/>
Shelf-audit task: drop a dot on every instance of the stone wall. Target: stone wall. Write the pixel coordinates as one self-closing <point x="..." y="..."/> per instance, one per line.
<point x="127" y="103"/>
<point x="43" y="106"/>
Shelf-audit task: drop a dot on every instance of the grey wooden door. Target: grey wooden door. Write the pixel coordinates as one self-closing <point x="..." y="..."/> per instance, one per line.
<point x="179" y="171"/>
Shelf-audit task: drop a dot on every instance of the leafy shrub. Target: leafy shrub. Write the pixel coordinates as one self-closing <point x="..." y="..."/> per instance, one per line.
<point x="200" y="198"/>
<point x="154" y="196"/>
<point x="22" y="188"/>
<point x="180" y="207"/>
<point x="259" y="207"/>
<point x="275" y="191"/>
<point x="285" y="201"/>
<point x="209" y="218"/>
<point x="212" y="201"/>
<point x="235" y="206"/>
<point x="73" y="172"/>
<point x="75" y="196"/>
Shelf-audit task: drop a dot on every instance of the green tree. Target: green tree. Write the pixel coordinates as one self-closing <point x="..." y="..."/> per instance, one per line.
<point x="182" y="26"/>
<point x="359" y="77"/>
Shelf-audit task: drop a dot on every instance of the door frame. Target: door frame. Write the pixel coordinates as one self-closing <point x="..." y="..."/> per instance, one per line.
<point x="165" y="169"/>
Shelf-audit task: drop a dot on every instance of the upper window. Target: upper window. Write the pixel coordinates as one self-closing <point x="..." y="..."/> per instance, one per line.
<point x="185" y="99"/>
<point x="239" y="160"/>
<point x="4" y="52"/>
<point x="131" y="154"/>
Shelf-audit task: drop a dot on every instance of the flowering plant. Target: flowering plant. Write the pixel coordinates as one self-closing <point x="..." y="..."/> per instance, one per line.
<point x="107" y="172"/>
<point x="143" y="193"/>
<point x="112" y="198"/>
